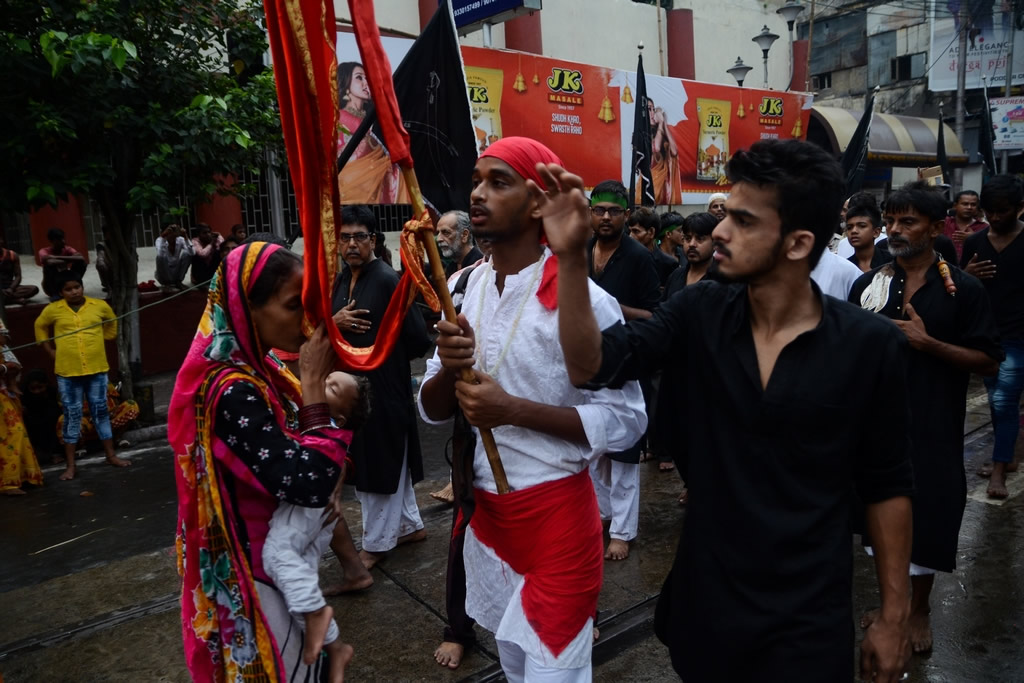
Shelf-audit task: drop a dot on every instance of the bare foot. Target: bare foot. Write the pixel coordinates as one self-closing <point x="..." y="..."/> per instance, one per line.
<point x="115" y="461"/>
<point x="339" y="654"/>
<point x="12" y="492"/>
<point x="666" y="467"/>
<point x="445" y="495"/>
<point x="353" y="585"/>
<point x="68" y="474"/>
<point x="369" y="559"/>
<point x="449" y="654"/>
<point x="317" y="624"/>
<point x="597" y="634"/>
<point x="920" y="628"/>
<point x="646" y="456"/>
<point x="415" y="536"/>
<point x="617" y="550"/>
<point x="997" y="482"/>
<point x="684" y="497"/>
<point x="986" y="469"/>
<point x="868" y="618"/>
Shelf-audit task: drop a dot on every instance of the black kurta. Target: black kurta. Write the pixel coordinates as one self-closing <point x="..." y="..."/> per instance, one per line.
<point x="761" y="584"/>
<point x="1006" y="289"/>
<point x="378" y="448"/>
<point x="938" y="401"/>
<point x="630" y="277"/>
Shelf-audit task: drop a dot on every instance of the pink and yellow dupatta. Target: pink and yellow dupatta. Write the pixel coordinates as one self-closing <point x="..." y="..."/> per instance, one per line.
<point x="226" y="636"/>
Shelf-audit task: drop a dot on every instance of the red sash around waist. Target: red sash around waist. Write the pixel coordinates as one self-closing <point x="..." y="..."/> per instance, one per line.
<point x="551" y="535"/>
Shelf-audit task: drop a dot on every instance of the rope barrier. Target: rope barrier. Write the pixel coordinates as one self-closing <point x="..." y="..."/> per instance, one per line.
<point x="115" y="319"/>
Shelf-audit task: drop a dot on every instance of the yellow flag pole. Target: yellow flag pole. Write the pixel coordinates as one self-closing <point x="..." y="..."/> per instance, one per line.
<point x="448" y="308"/>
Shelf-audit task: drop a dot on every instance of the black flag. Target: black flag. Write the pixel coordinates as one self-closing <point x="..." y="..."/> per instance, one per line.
<point x="855" y="157"/>
<point x="985" y="136"/>
<point x="642" y="143"/>
<point x="940" y="152"/>
<point x="430" y="87"/>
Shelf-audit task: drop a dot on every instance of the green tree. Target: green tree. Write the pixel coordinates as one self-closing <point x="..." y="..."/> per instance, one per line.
<point x="131" y="102"/>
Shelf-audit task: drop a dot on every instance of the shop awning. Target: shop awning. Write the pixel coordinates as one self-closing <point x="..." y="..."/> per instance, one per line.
<point x="895" y="140"/>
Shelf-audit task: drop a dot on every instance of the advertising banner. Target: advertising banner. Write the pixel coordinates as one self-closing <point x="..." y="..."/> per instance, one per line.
<point x="1007" y="122"/>
<point x="988" y="41"/>
<point x="584" y="113"/>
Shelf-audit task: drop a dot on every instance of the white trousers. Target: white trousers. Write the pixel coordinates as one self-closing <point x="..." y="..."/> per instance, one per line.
<point x="291" y="557"/>
<point x="386" y="517"/>
<point x="519" y="667"/>
<point x="618" y="495"/>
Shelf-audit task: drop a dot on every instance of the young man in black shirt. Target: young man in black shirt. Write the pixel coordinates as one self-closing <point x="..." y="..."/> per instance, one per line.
<point x="863" y="226"/>
<point x="996" y="256"/>
<point x="643" y="225"/>
<point x="761" y="586"/>
<point x="951" y="334"/>
<point x="624" y="269"/>
<point x="697" y="243"/>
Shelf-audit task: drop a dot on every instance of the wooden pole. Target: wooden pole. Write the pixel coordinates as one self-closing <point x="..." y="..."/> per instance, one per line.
<point x="448" y="308"/>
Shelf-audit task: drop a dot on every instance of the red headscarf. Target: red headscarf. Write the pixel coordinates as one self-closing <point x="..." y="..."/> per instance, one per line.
<point x="523" y="155"/>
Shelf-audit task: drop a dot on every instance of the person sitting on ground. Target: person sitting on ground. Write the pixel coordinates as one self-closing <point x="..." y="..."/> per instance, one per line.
<point x="225" y="248"/>
<point x="122" y="414"/>
<point x="41" y="411"/>
<point x="207" y="252"/>
<point x="238" y="233"/>
<point x="57" y="258"/>
<point x="10" y="277"/>
<point x="173" y="257"/>
<point x="18" y="464"/>
<point x="72" y="331"/>
<point x="299" y="535"/>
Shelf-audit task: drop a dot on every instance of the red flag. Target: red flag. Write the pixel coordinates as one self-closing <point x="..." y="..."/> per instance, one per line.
<point x="378" y="72"/>
<point x="302" y="42"/>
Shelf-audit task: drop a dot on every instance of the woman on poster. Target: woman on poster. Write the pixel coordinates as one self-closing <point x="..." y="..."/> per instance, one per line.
<point x="369" y="177"/>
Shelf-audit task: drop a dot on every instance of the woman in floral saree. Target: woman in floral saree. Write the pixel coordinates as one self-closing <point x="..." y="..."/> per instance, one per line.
<point x="242" y="444"/>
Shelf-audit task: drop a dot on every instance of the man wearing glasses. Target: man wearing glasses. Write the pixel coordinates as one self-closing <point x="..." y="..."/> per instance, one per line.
<point x="386" y="451"/>
<point x="624" y="269"/>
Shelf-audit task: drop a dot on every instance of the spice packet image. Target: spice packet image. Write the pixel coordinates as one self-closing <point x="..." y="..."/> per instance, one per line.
<point x="713" y="143"/>
<point x="484" y="87"/>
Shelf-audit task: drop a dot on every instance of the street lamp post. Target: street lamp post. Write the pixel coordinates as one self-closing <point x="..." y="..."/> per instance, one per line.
<point x="764" y="40"/>
<point x="739" y="71"/>
<point x="789" y="12"/>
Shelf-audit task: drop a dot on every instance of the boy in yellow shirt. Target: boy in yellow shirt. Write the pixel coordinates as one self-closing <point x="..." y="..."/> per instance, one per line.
<point x="80" y="361"/>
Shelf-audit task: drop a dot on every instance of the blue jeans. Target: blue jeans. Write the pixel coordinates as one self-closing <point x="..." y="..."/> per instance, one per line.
<point x="94" y="389"/>
<point x="1004" y="392"/>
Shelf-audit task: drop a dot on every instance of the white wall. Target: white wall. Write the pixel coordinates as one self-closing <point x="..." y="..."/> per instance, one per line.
<point x="722" y="31"/>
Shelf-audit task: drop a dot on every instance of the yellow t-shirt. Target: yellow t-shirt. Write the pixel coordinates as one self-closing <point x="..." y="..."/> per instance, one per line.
<point x="82" y="353"/>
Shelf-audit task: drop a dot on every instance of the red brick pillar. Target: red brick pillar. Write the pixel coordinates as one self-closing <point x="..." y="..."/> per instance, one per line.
<point x="679" y="29"/>
<point x="427" y="9"/>
<point x="68" y="217"/>
<point x="220" y="211"/>
<point x="799" y="81"/>
<point x="524" y="34"/>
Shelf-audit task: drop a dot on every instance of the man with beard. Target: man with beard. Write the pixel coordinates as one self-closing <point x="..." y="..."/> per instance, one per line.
<point x="455" y="240"/>
<point x="995" y="255"/>
<point x="951" y="333"/>
<point x="386" y="452"/>
<point x="643" y="225"/>
<point x="624" y="269"/>
<point x="532" y="556"/>
<point x="761" y="585"/>
<point x="716" y="205"/>
<point x="697" y="229"/>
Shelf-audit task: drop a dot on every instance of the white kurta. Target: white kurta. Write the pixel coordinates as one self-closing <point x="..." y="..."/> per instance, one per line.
<point x="533" y="367"/>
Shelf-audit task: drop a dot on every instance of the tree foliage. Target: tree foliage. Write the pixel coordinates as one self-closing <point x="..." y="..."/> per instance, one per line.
<point x="131" y="102"/>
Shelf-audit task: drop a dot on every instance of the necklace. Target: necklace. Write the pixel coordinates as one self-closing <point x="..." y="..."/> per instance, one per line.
<point x="493" y="370"/>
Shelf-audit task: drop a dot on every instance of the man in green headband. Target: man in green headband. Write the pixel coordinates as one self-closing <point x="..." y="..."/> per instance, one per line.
<point x="624" y="269"/>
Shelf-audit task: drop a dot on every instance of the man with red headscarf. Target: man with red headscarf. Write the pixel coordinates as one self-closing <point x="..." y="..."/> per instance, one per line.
<point x="533" y="556"/>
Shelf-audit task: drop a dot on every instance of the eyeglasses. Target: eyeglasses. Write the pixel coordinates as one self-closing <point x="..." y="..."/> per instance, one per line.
<point x="356" y="236"/>
<point x="613" y="212"/>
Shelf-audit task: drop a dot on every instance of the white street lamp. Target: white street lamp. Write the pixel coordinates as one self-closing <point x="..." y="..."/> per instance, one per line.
<point x="739" y="71"/>
<point x="764" y="40"/>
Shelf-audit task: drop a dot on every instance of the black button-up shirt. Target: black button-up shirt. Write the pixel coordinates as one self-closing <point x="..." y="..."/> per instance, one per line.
<point x="764" y="563"/>
<point x="629" y="275"/>
<point x="938" y="395"/>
